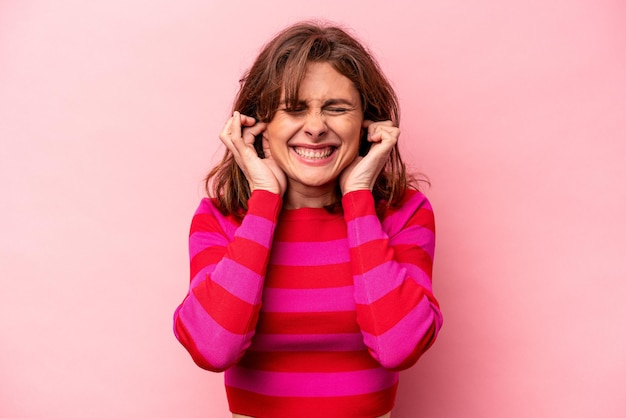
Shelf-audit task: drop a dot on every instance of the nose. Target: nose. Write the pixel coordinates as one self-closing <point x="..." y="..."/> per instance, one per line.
<point x="315" y="124"/>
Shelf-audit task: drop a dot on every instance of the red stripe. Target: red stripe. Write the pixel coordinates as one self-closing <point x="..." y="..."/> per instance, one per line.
<point x="226" y="309"/>
<point x="309" y="361"/>
<point x="369" y="255"/>
<point x="264" y="204"/>
<point x="423" y="217"/>
<point x="309" y="277"/>
<point x="388" y="310"/>
<point x="414" y="255"/>
<point x="308" y="323"/>
<point x="248" y="254"/>
<point x="365" y="208"/>
<point x="290" y="229"/>
<point x="253" y="404"/>
<point x="204" y="222"/>
<point x="206" y="257"/>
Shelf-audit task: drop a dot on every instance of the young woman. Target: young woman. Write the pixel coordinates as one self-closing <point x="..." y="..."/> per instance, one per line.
<point x="311" y="261"/>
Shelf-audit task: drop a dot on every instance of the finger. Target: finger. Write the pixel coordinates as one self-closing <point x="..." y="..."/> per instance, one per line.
<point x="388" y="133"/>
<point x="226" y="128"/>
<point x="374" y="128"/>
<point x="231" y="135"/>
<point x="246" y="120"/>
<point x="250" y="133"/>
<point x="374" y="133"/>
<point x="225" y="135"/>
<point x="367" y="123"/>
<point x="235" y="126"/>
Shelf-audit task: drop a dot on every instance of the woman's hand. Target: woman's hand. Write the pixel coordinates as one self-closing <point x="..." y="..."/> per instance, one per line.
<point x="262" y="174"/>
<point x="363" y="172"/>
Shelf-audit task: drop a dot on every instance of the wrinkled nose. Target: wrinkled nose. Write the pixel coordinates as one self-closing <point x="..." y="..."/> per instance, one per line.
<point x="315" y="124"/>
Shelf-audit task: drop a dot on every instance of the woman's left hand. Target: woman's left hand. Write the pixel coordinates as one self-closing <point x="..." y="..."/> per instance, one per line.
<point x="362" y="173"/>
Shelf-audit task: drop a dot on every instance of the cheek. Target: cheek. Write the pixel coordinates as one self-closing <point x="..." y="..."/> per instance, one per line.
<point x="280" y="130"/>
<point x="351" y="139"/>
<point x="351" y="133"/>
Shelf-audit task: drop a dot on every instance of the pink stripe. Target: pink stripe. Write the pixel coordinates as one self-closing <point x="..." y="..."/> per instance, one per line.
<point x="396" y="345"/>
<point x="309" y="300"/>
<point x="418" y="275"/>
<point x="199" y="241"/>
<point x="206" y="207"/>
<point x="317" y="342"/>
<point x="397" y="220"/>
<point x="220" y="347"/>
<point x="238" y="280"/>
<point x="418" y="236"/>
<point x="377" y="282"/>
<point x="365" y="229"/>
<point x="201" y="276"/>
<point x="310" y="253"/>
<point x="310" y="384"/>
<point x="229" y="228"/>
<point x="257" y="229"/>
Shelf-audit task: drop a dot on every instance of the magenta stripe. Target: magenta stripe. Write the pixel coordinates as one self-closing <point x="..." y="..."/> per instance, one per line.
<point x="217" y="345"/>
<point x="257" y="229"/>
<point x="418" y="236"/>
<point x="310" y="253"/>
<point x="238" y="280"/>
<point x="229" y="228"/>
<point x="418" y="275"/>
<point x="365" y="229"/>
<point x="201" y="276"/>
<point x="397" y="220"/>
<point x="310" y="384"/>
<point x="206" y="207"/>
<point x="309" y="300"/>
<point x="201" y="240"/>
<point x="377" y="282"/>
<point x="313" y="342"/>
<point x="396" y="345"/>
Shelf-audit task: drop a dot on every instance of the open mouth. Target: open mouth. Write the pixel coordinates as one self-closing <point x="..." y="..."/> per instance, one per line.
<point x="314" y="154"/>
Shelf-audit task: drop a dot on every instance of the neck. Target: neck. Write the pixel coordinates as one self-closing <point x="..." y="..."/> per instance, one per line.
<point x="309" y="197"/>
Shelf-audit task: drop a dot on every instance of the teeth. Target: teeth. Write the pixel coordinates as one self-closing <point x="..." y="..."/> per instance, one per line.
<point x="314" y="153"/>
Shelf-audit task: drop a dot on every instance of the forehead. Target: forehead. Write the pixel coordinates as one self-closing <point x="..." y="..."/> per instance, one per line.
<point x="322" y="81"/>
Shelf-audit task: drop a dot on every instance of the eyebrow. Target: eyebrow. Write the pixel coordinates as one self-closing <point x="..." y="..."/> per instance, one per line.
<point x="329" y="102"/>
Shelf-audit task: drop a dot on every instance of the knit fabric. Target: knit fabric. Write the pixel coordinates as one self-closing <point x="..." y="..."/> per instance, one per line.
<point x="310" y="313"/>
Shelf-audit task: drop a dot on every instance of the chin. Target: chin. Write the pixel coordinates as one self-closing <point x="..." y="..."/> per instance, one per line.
<point x="317" y="181"/>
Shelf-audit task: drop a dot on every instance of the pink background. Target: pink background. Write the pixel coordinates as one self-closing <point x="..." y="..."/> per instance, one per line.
<point x="110" y="112"/>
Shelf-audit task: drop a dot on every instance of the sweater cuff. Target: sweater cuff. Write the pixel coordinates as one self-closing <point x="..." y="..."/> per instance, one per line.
<point x="265" y="205"/>
<point x="357" y="204"/>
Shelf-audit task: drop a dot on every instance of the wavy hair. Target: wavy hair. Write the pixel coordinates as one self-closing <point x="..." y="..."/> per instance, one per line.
<point x="281" y="66"/>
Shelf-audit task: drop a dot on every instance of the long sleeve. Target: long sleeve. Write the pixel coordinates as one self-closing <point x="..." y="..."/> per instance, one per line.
<point x="217" y="319"/>
<point x="392" y="267"/>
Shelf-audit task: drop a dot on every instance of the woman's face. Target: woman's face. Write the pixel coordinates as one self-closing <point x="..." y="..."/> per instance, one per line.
<point x="314" y="142"/>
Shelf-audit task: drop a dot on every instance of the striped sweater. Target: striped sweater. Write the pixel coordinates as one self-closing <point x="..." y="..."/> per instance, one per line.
<point x="310" y="313"/>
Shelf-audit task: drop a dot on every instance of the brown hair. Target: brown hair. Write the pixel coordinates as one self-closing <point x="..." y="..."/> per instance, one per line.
<point x="281" y="66"/>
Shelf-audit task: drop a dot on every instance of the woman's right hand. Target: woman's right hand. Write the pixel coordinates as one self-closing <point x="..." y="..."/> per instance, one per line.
<point x="262" y="174"/>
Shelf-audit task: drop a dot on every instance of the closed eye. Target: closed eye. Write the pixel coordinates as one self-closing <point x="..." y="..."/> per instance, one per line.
<point x="294" y="110"/>
<point x="337" y="110"/>
<point x="338" y="106"/>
